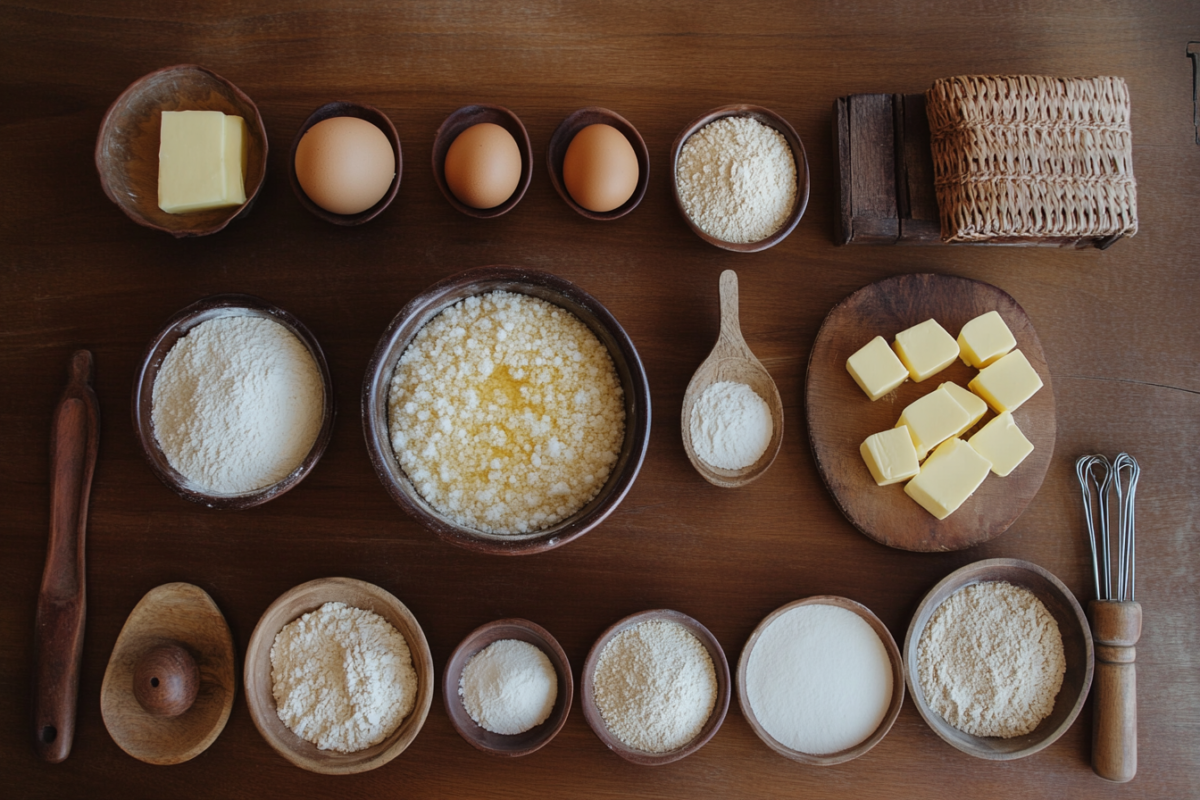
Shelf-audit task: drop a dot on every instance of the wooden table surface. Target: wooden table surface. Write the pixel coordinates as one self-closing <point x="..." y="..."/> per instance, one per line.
<point x="1120" y="328"/>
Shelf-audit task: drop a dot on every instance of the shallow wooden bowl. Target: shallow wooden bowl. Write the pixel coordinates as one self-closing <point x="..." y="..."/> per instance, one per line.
<point x="176" y="328"/>
<point x="556" y="152"/>
<point x="424" y="307"/>
<point x="520" y="744"/>
<point x="459" y="121"/>
<point x="850" y="753"/>
<point x="127" y="146"/>
<point x="260" y="698"/>
<point x="771" y="120"/>
<point x="341" y="108"/>
<point x="1077" y="646"/>
<point x="587" y="688"/>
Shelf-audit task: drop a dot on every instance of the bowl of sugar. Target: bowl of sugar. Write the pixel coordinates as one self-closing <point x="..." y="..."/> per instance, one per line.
<point x="506" y="410"/>
<point x="821" y="680"/>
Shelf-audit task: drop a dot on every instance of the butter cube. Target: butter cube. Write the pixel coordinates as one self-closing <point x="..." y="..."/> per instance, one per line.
<point x="984" y="339"/>
<point x="948" y="478"/>
<point x="1007" y="383"/>
<point x="925" y="349"/>
<point x="1002" y="443"/>
<point x="237" y="152"/>
<point x="931" y="420"/>
<point x="972" y="402"/>
<point x="876" y="369"/>
<point x="890" y="456"/>
<point x="192" y="171"/>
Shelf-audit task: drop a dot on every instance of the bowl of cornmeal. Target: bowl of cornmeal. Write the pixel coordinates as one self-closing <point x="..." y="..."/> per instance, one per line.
<point x="506" y="410"/>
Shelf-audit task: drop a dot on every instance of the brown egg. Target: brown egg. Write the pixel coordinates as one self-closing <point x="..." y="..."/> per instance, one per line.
<point x="600" y="169"/>
<point x="483" y="165"/>
<point x="345" y="164"/>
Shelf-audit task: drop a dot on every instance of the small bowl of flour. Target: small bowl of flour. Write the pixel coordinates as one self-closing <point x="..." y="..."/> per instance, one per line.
<point x="233" y="403"/>
<point x="508" y="687"/>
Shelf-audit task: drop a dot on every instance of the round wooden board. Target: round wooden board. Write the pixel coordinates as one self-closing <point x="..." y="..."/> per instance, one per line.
<point x="840" y="416"/>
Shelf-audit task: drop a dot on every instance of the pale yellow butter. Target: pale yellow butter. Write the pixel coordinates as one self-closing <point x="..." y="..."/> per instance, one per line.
<point x="925" y="349"/>
<point x="1007" y="383"/>
<point x="237" y="150"/>
<point x="931" y="420"/>
<point x="973" y="403"/>
<point x="193" y="174"/>
<point x="876" y="369"/>
<point x="1002" y="443"/>
<point x="948" y="478"/>
<point x="890" y="456"/>
<point x="985" y="339"/>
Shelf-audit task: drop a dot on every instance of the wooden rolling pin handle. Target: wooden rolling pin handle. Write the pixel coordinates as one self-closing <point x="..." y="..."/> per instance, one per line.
<point x="1116" y="628"/>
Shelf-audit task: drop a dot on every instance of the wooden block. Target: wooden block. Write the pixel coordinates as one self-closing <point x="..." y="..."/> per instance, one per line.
<point x="919" y="220"/>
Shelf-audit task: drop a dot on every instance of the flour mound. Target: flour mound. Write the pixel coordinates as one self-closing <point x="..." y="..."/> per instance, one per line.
<point x="731" y="426"/>
<point x="509" y="687"/>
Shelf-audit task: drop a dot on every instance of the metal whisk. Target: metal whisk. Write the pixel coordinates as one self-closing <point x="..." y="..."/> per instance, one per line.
<point x="1095" y="473"/>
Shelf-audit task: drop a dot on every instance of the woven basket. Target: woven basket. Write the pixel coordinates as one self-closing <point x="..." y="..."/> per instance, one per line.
<point x="1027" y="157"/>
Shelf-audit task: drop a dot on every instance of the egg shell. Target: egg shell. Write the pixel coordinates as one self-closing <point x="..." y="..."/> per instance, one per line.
<point x="483" y="165"/>
<point x="345" y="164"/>
<point x="600" y="169"/>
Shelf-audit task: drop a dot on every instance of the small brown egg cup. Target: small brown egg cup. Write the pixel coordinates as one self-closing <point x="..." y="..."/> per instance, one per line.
<point x="771" y="120"/>
<point x="459" y="121"/>
<point x="178" y="326"/>
<point x="130" y="134"/>
<point x="556" y="153"/>
<point x="498" y="744"/>
<point x="341" y="108"/>
<point x="587" y="689"/>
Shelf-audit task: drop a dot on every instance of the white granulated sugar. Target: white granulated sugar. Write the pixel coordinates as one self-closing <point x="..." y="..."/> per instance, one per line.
<point x="506" y="413"/>
<point x="237" y="404"/>
<point x="509" y="687"/>
<point x="737" y="179"/>
<point x="819" y="679"/>
<point x="991" y="660"/>
<point x="655" y="686"/>
<point x="731" y="426"/>
<point x="342" y="677"/>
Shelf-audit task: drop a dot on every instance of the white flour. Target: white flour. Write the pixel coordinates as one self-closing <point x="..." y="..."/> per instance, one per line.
<point x="509" y="687"/>
<point x="737" y="179"/>
<point x="342" y="677"/>
<point x="819" y="679"/>
<point x="731" y="426"/>
<point x="991" y="660"/>
<point x="237" y="404"/>
<point x="655" y="686"/>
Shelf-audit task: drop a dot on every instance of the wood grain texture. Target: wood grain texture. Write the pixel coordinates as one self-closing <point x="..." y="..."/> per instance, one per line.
<point x="1116" y="627"/>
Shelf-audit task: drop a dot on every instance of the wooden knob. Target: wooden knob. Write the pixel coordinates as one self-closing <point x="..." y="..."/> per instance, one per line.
<point x="165" y="680"/>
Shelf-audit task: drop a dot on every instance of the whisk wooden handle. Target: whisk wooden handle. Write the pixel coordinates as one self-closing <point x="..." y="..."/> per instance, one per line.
<point x="1116" y="628"/>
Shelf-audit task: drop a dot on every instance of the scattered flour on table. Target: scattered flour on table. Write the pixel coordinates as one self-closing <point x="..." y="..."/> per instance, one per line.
<point x="731" y="426"/>
<point x="509" y="687"/>
<point x="342" y="678"/>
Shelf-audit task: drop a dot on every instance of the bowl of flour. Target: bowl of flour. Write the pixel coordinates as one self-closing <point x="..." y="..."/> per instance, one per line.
<point x="233" y="402"/>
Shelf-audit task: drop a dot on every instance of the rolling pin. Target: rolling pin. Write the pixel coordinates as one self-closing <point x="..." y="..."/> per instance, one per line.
<point x="61" y="606"/>
<point x="1116" y="628"/>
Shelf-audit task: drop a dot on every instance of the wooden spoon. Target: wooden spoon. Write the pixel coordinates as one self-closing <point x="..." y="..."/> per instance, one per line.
<point x="731" y="360"/>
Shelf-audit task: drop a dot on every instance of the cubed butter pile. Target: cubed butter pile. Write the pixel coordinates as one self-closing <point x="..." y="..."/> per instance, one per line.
<point x="929" y="429"/>
<point x="201" y="161"/>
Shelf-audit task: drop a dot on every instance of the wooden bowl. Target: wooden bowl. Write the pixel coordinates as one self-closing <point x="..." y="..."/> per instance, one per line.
<point x="850" y="753"/>
<point x="424" y="307"/>
<point x="459" y="121"/>
<point x="259" y="686"/>
<point x="587" y="688"/>
<point x="341" y="108"/>
<point x="520" y="744"/>
<point x="1077" y="646"/>
<point x="127" y="146"/>
<point x="176" y="328"/>
<point x="556" y="152"/>
<point x="771" y="120"/>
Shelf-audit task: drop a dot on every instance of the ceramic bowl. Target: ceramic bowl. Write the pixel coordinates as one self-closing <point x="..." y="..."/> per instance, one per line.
<point x="459" y="121"/>
<point x="893" y="709"/>
<point x="1077" y="645"/>
<point x="587" y="689"/>
<point x="176" y="328"/>
<point x="556" y="152"/>
<point x="520" y="744"/>
<point x="258" y="683"/>
<point x="127" y="146"/>
<point x="424" y="307"/>
<point x="341" y="108"/>
<point x="771" y="120"/>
